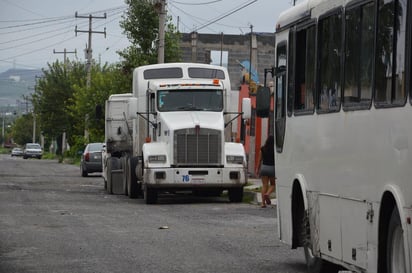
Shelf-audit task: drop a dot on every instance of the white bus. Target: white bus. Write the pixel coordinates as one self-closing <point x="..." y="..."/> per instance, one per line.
<point x="343" y="134"/>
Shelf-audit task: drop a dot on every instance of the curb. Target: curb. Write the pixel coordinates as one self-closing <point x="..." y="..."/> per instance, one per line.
<point x="256" y="198"/>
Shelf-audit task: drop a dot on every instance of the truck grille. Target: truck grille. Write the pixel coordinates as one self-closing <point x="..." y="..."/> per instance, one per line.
<point x="203" y="148"/>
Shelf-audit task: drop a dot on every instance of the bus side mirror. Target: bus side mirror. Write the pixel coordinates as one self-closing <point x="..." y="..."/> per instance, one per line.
<point x="246" y="108"/>
<point x="263" y="102"/>
<point x="132" y="108"/>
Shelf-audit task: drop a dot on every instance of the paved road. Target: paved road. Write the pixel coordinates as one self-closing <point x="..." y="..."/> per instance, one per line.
<point x="54" y="220"/>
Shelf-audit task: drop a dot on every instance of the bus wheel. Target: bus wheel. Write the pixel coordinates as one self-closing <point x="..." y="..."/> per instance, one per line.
<point x="313" y="263"/>
<point x="395" y="245"/>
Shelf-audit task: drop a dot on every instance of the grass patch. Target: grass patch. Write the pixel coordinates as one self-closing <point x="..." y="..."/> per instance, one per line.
<point x="4" y="150"/>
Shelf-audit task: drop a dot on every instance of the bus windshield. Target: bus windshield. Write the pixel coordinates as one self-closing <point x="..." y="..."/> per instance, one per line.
<point x="190" y="100"/>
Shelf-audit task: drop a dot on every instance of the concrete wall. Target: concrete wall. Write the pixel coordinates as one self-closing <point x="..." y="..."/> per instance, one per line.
<point x="196" y="47"/>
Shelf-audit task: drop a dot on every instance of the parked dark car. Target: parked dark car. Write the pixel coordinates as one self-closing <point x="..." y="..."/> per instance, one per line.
<point x="32" y="150"/>
<point x="91" y="160"/>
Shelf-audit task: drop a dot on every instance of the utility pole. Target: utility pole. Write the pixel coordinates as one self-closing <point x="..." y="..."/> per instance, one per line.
<point x="88" y="51"/>
<point x="250" y="57"/>
<point x="161" y="10"/>
<point x="89" y="57"/>
<point x="65" y="52"/>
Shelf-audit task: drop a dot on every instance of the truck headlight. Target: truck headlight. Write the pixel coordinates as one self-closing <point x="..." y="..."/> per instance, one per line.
<point x="157" y="158"/>
<point x="234" y="159"/>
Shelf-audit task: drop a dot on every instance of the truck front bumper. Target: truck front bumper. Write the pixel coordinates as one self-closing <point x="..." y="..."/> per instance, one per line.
<point x="195" y="178"/>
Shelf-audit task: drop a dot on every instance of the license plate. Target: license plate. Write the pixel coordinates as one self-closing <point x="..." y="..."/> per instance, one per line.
<point x="192" y="179"/>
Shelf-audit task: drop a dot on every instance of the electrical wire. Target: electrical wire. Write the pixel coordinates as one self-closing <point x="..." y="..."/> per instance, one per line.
<point x="206" y="23"/>
<point x="226" y="14"/>
<point x="196" y="4"/>
<point x="112" y="12"/>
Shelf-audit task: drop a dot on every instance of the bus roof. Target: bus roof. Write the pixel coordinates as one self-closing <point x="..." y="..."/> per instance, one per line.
<point x="307" y="10"/>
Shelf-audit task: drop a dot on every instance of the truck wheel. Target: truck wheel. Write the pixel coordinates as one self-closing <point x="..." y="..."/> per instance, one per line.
<point x="150" y="196"/>
<point x="395" y="259"/>
<point x="109" y="177"/>
<point x="132" y="184"/>
<point x="125" y="166"/>
<point x="235" y="195"/>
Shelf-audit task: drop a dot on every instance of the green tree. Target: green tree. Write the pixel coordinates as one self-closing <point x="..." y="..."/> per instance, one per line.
<point x="87" y="102"/>
<point x="22" y="130"/>
<point x="52" y="98"/>
<point x="141" y="26"/>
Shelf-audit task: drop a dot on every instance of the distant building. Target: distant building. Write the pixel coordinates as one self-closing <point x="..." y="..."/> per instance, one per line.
<point x="234" y="49"/>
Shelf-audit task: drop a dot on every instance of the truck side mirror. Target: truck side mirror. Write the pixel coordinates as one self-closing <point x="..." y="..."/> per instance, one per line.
<point x="263" y="102"/>
<point x="246" y="108"/>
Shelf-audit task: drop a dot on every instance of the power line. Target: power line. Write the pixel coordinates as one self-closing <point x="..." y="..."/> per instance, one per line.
<point x="54" y="19"/>
<point x="35" y="23"/>
<point x="206" y="24"/>
<point x="194" y="18"/>
<point x="227" y="14"/>
<point x="49" y="32"/>
<point x="196" y="4"/>
<point x="47" y="23"/>
<point x="39" y="39"/>
<point x="36" y="27"/>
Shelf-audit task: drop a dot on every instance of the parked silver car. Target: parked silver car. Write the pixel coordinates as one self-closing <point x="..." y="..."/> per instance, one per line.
<point x="32" y="150"/>
<point x="91" y="160"/>
<point x="17" y="151"/>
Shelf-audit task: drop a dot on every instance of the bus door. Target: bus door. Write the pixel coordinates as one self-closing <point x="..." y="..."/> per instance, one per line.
<point x="280" y="99"/>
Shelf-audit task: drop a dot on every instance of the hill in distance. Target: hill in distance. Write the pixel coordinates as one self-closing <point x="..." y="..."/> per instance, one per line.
<point x="16" y="83"/>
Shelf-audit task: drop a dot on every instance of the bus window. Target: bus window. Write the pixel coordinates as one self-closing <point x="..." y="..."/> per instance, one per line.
<point x="280" y="99"/>
<point x="330" y="51"/>
<point x="390" y="54"/>
<point x="359" y="48"/>
<point x="305" y="70"/>
<point x="206" y="73"/>
<point x="163" y="73"/>
<point x="291" y="72"/>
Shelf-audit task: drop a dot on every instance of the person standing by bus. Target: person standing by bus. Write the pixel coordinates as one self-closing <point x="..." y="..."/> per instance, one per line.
<point x="266" y="170"/>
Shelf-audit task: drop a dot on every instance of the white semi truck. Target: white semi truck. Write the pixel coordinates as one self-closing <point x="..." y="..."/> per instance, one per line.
<point x="171" y="134"/>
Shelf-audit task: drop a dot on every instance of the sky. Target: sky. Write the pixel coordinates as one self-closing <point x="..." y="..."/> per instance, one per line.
<point x="36" y="32"/>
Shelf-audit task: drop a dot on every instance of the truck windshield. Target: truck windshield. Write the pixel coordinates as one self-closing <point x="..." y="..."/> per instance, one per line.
<point x="190" y="100"/>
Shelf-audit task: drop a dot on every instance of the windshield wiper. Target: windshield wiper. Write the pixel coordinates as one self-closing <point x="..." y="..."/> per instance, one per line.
<point x="189" y="108"/>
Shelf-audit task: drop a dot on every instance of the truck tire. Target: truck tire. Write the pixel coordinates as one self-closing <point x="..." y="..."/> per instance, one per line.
<point x="112" y="164"/>
<point x="125" y="167"/>
<point x="235" y="194"/>
<point x="133" y="189"/>
<point x="109" y="176"/>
